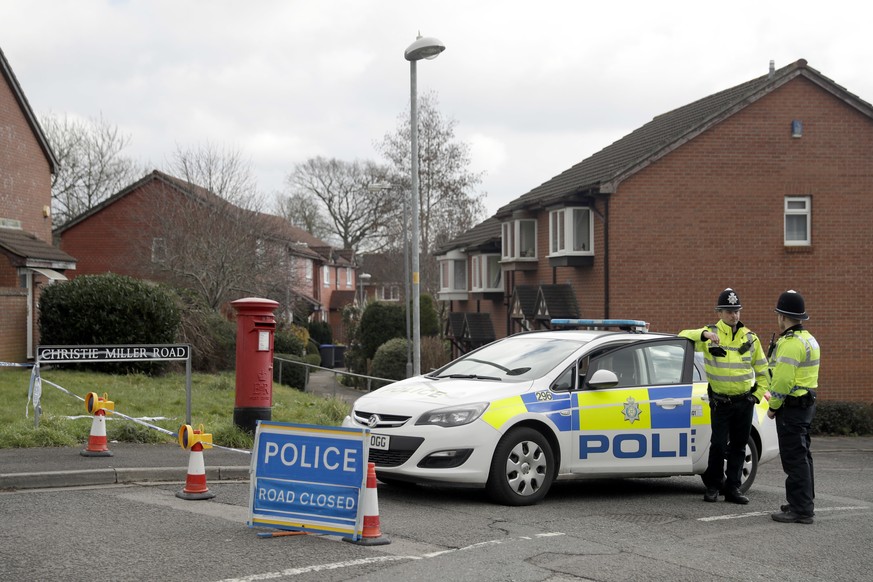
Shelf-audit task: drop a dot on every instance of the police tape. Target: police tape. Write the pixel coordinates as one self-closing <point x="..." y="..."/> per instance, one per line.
<point x="14" y="365"/>
<point x="140" y="421"/>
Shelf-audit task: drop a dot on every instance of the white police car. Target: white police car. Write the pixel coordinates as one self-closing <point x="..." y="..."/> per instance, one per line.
<point x="520" y="412"/>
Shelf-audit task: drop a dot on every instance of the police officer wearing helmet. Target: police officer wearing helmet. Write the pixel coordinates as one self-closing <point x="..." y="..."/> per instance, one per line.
<point x="736" y="369"/>
<point x="794" y="362"/>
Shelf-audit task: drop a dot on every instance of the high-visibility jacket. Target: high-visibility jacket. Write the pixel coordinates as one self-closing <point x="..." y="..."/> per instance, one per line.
<point x="793" y="365"/>
<point x="741" y="369"/>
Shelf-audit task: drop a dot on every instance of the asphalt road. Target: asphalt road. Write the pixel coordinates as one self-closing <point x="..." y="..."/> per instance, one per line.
<point x="622" y="530"/>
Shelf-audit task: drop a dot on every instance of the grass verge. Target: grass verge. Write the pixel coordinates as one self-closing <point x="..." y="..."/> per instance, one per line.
<point x="66" y="422"/>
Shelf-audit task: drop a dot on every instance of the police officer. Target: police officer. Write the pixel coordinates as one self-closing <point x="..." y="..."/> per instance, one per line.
<point x="794" y="361"/>
<point x="736" y="369"/>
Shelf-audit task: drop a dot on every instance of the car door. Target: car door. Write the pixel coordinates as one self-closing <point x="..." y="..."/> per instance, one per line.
<point x="642" y="425"/>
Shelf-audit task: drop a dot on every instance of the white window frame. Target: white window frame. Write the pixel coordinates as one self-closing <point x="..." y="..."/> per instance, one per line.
<point x="481" y="273"/>
<point x="451" y="265"/>
<point x="308" y="269"/>
<point x="563" y="235"/>
<point x="798" y="206"/>
<point x="514" y="235"/>
<point x="326" y="278"/>
<point x="348" y="277"/>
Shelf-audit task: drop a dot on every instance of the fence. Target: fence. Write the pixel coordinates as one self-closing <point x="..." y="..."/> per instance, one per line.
<point x="372" y="382"/>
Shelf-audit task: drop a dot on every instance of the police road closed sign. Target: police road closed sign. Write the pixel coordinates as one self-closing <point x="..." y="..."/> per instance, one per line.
<point x="308" y="478"/>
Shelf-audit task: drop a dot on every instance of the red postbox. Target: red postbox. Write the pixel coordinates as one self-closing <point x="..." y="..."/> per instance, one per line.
<point x="255" y="327"/>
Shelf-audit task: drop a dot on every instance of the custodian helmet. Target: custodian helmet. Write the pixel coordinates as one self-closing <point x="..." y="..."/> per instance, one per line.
<point x="791" y="304"/>
<point x="728" y="299"/>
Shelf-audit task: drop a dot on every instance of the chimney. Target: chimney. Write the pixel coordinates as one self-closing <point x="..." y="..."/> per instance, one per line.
<point x="772" y="69"/>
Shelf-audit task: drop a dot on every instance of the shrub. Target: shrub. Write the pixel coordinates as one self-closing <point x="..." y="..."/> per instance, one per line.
<point x="380" y="322"/>
<point x="320" y="332"/>
<point x="427" y="316"/>
<point x="390" y="360"/>
<point x="288" y="373"/>
<point x="287" y="342"/>
<point x="842" y="418"/>
<point x="211" y="335"/>
<point x="109" y="310"/>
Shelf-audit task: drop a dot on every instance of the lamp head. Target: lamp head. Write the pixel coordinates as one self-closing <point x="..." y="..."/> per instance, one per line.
<point x="424" y="47"/>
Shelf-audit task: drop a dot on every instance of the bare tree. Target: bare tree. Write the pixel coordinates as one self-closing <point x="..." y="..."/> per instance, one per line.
<point x="91" y="164"/>
<point x="220" y="170"/>
<point x="210" y="238"/>
<point x="448" y="203"/>
<point x="360" y="217"/>
<point x="304" y="210"/>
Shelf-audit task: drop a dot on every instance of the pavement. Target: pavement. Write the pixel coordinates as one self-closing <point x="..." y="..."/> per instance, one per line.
<point x="32" y="468"/>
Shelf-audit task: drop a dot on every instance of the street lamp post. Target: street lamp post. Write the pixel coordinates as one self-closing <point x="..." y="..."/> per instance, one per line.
<point x="361" y="278"/>
<point x="422" y="48"/>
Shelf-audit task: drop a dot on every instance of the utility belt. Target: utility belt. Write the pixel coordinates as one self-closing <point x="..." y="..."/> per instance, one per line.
<point x="715" y="398"/>
<point x="804" y="401"/>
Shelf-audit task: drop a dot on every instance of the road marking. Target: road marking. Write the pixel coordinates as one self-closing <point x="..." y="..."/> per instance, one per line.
<point x="365" y="561"/>
<point x="319" y="568"/>
<point x="761" y="513"/>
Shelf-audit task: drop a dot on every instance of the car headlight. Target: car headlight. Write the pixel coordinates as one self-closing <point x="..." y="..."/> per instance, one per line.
<point x="453" y="415"/>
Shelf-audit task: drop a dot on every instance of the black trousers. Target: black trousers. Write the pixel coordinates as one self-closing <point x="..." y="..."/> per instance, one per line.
<point x="792" y="426"/>
<point x="731" y="425"/>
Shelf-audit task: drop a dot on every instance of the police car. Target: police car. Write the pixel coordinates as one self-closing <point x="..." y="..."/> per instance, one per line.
<point x="521" y="412"/>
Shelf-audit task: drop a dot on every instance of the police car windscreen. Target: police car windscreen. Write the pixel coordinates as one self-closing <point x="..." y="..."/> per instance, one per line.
<point x="514" y="359"/>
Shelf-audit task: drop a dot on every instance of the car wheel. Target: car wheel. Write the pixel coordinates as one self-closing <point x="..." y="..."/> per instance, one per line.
<point x="522" y="469"/>
<point x="750" y="465"/>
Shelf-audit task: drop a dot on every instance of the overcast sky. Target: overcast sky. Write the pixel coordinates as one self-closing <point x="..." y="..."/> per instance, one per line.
<point x="535" y="86"/>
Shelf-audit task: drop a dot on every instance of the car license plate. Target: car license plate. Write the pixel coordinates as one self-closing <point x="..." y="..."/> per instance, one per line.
<point x="379" y="441"/>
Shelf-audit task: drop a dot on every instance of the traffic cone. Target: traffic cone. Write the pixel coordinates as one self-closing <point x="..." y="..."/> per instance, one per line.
<point x="372" y="531"/>
<point x="195" y="481"/>
<point x="97" y="439"/>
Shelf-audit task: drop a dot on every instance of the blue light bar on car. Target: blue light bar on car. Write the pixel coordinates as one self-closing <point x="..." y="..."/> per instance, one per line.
<point x="634" y="325"/>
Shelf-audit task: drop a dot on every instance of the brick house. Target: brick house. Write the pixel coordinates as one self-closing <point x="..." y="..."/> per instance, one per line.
<point x="763" y="187"/>
<point x="131" y="231"/>
<point x="28" y="261"/>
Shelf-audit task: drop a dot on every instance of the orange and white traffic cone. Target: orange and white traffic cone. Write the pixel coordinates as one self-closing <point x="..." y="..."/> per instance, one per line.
<point x="371" y="535"/>
<point x="97" y="439"/>
<point x="195" y="481"/>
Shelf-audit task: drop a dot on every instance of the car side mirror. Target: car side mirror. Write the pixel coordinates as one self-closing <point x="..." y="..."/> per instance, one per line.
<point x="603" y="379"/>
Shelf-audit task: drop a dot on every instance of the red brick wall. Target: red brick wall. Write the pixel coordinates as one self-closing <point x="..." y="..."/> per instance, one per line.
<point x="710" y="215"/>
<point x="25" y="176"/>
<point x="117" y="239"/>
<point x="25" y="189"/>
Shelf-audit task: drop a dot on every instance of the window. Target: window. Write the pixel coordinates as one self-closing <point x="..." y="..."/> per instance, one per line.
<point x="326" y="276"/>
<point x="453" y="272"/>
<point x="519" y="239"/>
<point x="309" y="269"/>
<point x="798" y="214"/>
<point x="348" y="278"/>
<point x="388" y="293"/>
<point x="487" y="274"/>
<point x="159" y="250"/>
<point x="570" y="231"/>
<point x="459" y="282"/>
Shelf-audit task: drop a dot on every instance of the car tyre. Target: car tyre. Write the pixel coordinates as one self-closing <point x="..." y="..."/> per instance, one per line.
<point x="522" y="469"/>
